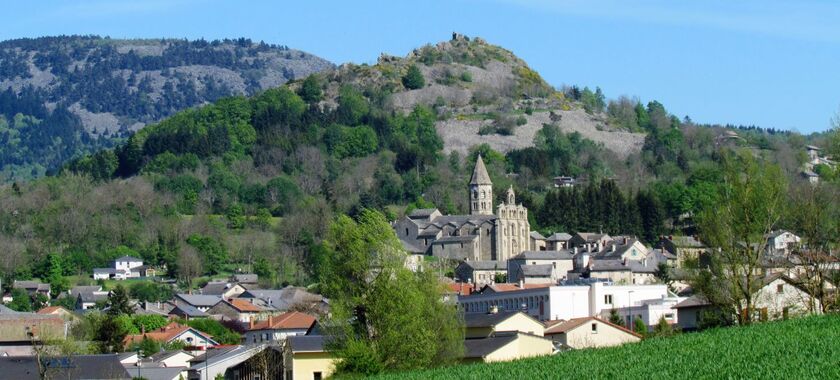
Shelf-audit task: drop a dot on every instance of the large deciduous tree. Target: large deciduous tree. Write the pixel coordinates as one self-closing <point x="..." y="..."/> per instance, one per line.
<point x="751" y="204"/>
<point x="817" y="218"/>
<point x="384" y="316"/>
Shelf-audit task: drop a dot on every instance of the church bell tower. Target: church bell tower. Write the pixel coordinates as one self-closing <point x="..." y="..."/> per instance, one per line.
<point x="481" y="190"/>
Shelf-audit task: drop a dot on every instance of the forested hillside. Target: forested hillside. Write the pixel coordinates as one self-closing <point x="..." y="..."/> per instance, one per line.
<point x="64" y="96"/>
<point x="258" y="179"/>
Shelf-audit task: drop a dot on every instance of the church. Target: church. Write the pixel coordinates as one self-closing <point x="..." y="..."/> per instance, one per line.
<point x="484" y="234"/>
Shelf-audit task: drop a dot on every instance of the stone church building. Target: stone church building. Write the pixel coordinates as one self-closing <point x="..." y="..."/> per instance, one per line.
<point x="484" y="234"/>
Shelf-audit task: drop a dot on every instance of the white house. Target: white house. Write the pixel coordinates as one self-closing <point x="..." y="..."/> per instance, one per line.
<point x="123" y="268"/>
<point x="781" y="243"/>
<point x="174" y="332"/>
<point x="650" y="311"/>
<point x="781" y="297"/>
<point x="565" y="301"/>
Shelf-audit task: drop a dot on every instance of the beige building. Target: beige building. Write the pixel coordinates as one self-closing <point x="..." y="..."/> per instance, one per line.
<point x="480" y="325"/>
<point x="306" y="358"/>
<point x="589" y="332"/>
<point x="506" y="346"/>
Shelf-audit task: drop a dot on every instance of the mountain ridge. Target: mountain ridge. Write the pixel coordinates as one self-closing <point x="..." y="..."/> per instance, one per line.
<point x="112" y="87"/>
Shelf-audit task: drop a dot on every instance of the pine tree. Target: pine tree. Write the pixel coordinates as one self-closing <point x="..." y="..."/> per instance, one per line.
<point x="118" y="303"/>
<point x="413" y="78"/>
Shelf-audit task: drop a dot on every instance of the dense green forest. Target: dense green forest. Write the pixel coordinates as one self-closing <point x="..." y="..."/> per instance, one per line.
<point x="259" y="179"/>
<point x="61" y="97"/>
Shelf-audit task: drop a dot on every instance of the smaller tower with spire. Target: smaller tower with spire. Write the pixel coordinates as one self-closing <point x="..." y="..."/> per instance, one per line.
<point x="481" y="190"/>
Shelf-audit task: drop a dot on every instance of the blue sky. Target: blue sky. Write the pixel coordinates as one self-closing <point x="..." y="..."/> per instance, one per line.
<point x="768" y="63"/>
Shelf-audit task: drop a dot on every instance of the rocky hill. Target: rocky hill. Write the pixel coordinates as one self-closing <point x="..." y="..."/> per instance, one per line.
<point x="63" y="96"/>
<point x="482" y="94"/>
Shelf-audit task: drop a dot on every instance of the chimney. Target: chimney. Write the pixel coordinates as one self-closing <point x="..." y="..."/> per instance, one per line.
<point x="576" y="250"/>
<point x="270" y="320"/>
<point x="613" y="247"/>
<point x="521" y="284"/>
<point x="251" y="323"/>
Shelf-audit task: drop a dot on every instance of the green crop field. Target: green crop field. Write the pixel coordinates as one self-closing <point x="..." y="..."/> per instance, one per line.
<point x="807" y="348"/>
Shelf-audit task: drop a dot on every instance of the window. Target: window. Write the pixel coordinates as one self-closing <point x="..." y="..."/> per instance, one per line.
<point x="669" y="316"/>
<point x="780" y="288"/>
<point x="608" y="299"/>
<point x="317" y="376"/>
<point x="406" y="232"/>
<point x="594" y="327"/>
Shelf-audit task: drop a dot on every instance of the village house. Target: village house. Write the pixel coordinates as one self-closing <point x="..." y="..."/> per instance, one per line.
<point x="482" y="325"/>
<point x="186" y="312"/>
<point x="123" y="268"/>
<point x="780" y="297"/>
<point x="266" y="363"/>
<point x="690" y="312"/>
<point x="684" y="247"/>
<point x="164" y="365"/>
<point x="781" y="243"/>
<point x="236" y="309"/>
<point x="87" y="297"/>
<point x="285" y="299"/>
<point x="537" y="241"/>
<point x="59" y="312"/>
<point x="534" y="263"/>
<point x="32" y="287"/>
<point x="306" y="357"/>
<point x="15" y="328"/>
<point x="649" y="311"/>
<point x="278" y="327"/>
<point x="486" y="234"/>
<point x="223" y="289"/>
<point x="506" y="346"/>
<point x="479" y="273"/>
<point x="590" y="242"/>
<point x="153" y="308"/>
<point x="173" y="332"/>
<point x="223" y="362"/>
<point x="558" y="241"/>
<point x="564" y="301"/>
<point x="588" y="332"/>
<point x="199" y="301"/>
<point x="245" y="279"/>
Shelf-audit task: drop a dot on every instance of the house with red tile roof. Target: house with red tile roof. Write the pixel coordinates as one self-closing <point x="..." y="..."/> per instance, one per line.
<point x="174" y="332"/>
<point x="237" y="309"/>
<point x="278" y="327"/>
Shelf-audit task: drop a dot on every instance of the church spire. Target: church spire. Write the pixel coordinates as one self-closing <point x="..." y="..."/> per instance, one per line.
<point x="481" y="190"/>
<point x="480" y="176"/>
